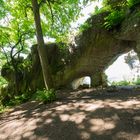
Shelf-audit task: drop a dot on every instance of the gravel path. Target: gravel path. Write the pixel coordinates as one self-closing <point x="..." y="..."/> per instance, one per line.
<point x="77" y="115"/>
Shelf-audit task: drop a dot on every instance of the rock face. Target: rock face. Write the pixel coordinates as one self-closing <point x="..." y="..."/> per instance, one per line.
<point x="96" y="49"/>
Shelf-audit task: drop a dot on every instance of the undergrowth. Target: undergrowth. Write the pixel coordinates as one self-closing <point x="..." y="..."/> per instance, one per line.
<point x="45" y="96"/>
<point x="126" y="83"/>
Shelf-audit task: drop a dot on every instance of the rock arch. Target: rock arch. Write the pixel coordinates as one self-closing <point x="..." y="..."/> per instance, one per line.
<point x="96" y="49"/>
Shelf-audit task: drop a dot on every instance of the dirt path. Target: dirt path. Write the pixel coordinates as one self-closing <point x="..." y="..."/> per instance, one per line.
<point x="79" y="115"/>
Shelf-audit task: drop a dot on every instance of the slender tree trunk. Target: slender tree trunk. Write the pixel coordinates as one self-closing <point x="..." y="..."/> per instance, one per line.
<point x="41" y="47"/>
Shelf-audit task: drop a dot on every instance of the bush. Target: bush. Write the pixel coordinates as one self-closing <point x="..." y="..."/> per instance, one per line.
<point x="3" y="82"/>
<point x="19" y="99"/>
<point x="114" y="19"/>
<point x="132" y="3"/>
<point x="84" y="27"/>
<point x="45" y="96"/>
<point x="2" y="108"/>
<point x="137" y="82"/>
<point x="121" y="83"/>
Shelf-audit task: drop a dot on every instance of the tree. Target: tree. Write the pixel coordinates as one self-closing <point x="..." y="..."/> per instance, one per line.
<point x="41" y="45"/>
<point x="57" y="16"/>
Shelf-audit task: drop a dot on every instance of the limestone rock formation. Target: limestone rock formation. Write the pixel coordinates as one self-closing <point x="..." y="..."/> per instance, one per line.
<point x="96" y="49"/>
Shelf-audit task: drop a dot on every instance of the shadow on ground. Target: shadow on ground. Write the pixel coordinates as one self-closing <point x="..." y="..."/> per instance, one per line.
<point x="78" y="115"/>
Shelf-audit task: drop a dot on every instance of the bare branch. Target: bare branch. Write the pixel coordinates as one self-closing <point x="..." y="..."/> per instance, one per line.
<point x="22" y="46"/>
<point x="19" y="42"/>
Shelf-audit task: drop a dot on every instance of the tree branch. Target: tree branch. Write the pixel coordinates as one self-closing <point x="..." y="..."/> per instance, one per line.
<point x="50" y="7"/>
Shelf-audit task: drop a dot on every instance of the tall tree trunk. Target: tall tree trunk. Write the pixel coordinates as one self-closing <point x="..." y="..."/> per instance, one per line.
<point x="41" y="47"/>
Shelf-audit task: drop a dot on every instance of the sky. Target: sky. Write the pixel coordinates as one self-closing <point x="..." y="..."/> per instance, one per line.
<point x="86" y="12"/>
<point x="120" y="71"/>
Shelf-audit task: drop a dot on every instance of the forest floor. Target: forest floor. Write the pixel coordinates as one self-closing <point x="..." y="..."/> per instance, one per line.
<point x="86" y="114"/>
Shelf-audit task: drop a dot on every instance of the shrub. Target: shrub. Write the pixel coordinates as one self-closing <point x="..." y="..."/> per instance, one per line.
<point x="84" y="27"/>
<point x="3" y="82"/>
<point x="114" y="19"/>
<point x="121" y="83"/>
<point x="132" y="3"/>
<point x="19" y="99"/>
<point x="46" y="96"/>
<point x="137" y="82"/>
<point x="2" y="108"/>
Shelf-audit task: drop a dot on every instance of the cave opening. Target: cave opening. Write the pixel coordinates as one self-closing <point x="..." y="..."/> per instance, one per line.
<point x="82" y="82"/>
<point x="125" y="70"/>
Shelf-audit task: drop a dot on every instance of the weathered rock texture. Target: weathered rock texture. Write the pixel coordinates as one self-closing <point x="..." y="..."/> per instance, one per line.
<point x="96" y="49"/>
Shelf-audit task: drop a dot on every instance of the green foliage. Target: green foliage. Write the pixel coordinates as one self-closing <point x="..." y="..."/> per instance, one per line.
<point x="84" y="27"/>
<point x="132" y="3"/>
<point x="3" y="82"/>
<point x="2" y="9"/>
<point x="117" y="10"/>
<point x="137" y="82"/>
<point x="45" y="96"/>
<point x="58" y="16"/>
<point x="9" y="100"/>
<point x="19" y="99"/>
<point x="114" y="19"/>
<point x="121" y="83"/>
<point x="115" y="4"/>
<point x="127" y="83"/>
<point x="1" y="109"/>
<point x="16" y="100"/>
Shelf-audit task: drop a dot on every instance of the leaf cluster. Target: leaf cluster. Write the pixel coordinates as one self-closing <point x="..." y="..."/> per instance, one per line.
<point x="117" y="9"/>
<point x="84" y="26"/>
<point x="133" y="3"/>
<point x="137" y="82"/>
<point x="45" y="96"/>
<point x="114" y="19"/>
<point x="121" y="83"/>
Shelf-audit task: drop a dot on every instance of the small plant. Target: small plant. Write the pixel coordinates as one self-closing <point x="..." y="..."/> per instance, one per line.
<point x="19" y="99"/>
<point x="114" y="19"/>
<point x="84" y="27"/>
<point x="132" y="3"/>
<point x="121" y="83"/>
<point x="46" y="96"/>
<point x="3" y="82"/>
<point x="1" y="109"/>
<point x="137" y="82"/>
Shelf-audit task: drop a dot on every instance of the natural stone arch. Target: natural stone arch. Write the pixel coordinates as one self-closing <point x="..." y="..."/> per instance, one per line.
<point x="94" y="58"/>
<point x="82" y="82"/>
<point x="96" y="49"/>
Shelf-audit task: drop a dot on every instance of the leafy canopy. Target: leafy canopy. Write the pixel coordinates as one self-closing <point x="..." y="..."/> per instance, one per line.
<point x="17" y="29"/>
<point x="56" y="17"/>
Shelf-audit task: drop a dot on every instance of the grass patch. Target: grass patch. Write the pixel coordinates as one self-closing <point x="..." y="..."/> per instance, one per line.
<point x="121" y="83"/>
<point x="126" y="83"/>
